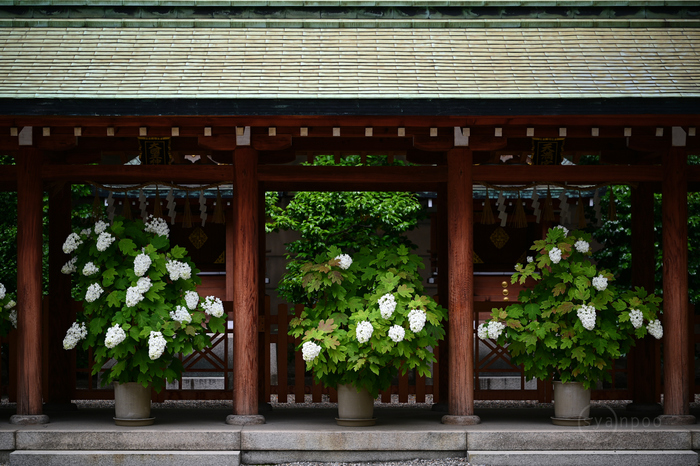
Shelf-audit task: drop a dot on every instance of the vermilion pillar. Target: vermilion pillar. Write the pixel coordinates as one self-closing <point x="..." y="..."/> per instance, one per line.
<point x="245" y="289"/>
<point x="29" y="252"/>
<point x="675" y="273"/>
<point x="460" y="213"/>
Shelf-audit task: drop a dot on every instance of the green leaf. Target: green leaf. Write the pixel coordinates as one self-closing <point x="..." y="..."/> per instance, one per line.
<point x="127" y="247"/>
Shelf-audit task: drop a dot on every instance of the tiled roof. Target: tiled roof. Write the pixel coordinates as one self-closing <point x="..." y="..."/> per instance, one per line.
<point x="348" y="63"/>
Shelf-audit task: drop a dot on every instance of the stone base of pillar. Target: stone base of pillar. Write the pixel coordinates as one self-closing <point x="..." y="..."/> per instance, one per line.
<point x="648" y="409"/>
<point x="440" y="408"/>
<point x="461" y="420"/>
<point x="29" y="419"/>
<point x="676" y="419"/>
<point x="245" y="420"/>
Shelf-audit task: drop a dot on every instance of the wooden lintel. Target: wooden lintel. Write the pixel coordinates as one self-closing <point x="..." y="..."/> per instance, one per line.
<point x="487" y="143"/>
<point x="221" y="142"/>
<point x="138" y="173"/>
<point x="649" y="143"/>
<point x="273" y="143"/>
<point x="56" y="143"/>
<point x="572" y="174"/>
<point x="433" y="144"/>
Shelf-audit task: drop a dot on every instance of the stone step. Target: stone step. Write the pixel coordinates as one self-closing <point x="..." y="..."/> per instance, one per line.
<point x="584" y="458"/>
<point x="124" y="458"/>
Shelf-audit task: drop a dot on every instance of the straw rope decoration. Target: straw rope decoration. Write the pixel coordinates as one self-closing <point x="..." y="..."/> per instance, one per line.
<point x="548" y="215"/>
<point x="519" y="219"/>
<point x="96" y="207"/>
<point x="157" y="208"/>
<point x="187" y="218"/>
<point x="126" y="211"/>
<point x="612" y="211"/>
<point x="219" y="208"/>
<point x="581" y="212"/>
<point x="487" y="217"/>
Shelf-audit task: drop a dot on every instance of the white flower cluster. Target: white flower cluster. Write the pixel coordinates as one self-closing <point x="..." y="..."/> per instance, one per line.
<point x="192" y="299"/>
<point x="143" y="285"/>
<point x="10" y="304"/>
<point x="13" y="316"/>
<point x="600" y="283"/>
<point x="100" y="226"/>
<point x="396" y="333"/>
<point x="93" y="292"/>
<point x="85" y="232"/>
<point x="529" y="259"/>
<point x="178" y="270"/>
<point x="114" y="336"/>
<point x="387" y="304"/>
<point x="181" y="314"/>
<point x="104" y="241"/>
<point x="74" y="334"/>
<point x="310" y="350"/>
<point x="3" y="291"/>
<point x="133" y="296"/>
<point x="416" y="320"/>
<point x="586" y="315"/>
<point x="213" y="306"/>
<point x="636" y="318"/>
<point x="562" y="227"/>
<point x="158" y="226"/>
<point x="345" y="261"/>
<point x="156" y="345"/>
<point x="491" y="330"/>
<point x="141" y="264"/>
<point x="90" y="269"/>
<point x="655" y="329"/>
<point x="582" y="246"/>
<point x="72" y="243"/>
<point x="364" y="331"/>
<point x="555" y="255"/>
<point x="70" y="267"/>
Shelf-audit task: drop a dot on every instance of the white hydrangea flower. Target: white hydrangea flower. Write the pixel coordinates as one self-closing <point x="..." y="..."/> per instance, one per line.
<point x="141" y="264"/>
<point x="104" y="241"/>
<point x="10" y="304"/>
<point x="345" y="261"/>
<point x="416" y="320"/>
<point x="310" y="350"/>
<point x="93" y="292"/>
<point x="482" y="331"/>
<point x="600" y="283"/>
<point x="75" y="333"/>
<point x="114" y="336"/>
<point x="192" y="299"/>
<point x="3" y="291"/>
<point x="655" y="329"/>
<point x="494" y="329"/>
<point x="586" y="315"/>
<point x="72" y="243"/>
<point x="582" y="246"/>
<point x="157" y="226"/>
<point x="566" y="230"/>
<point x="90" y="269"/>
<point x="13" y="317"/>
<point x="387" y="304"/>
<point x="85" y="232"/>
<point x="181" y="314"/>
<point x="637" y="318"/>
<point x="70" y="266"/>
<point x="143" y="285"/>
<point x="555" y="255"/>
<point x="100" y="226"/>
<point x="363" y="332"/>
<point x="529" y="259"/>
<point x="133" y="296"/>
<point x="156" y="345"/>
<point x="213" y="306"/>
<point x="396" y="333"/>
<point x="178" y="270"/>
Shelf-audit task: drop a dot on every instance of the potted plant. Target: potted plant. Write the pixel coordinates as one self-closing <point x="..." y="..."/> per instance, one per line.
<point x="368" y="320"/>
<point x="140" y="308"/>
<point x="573" y="323"/>
<point x="8" y="312"/>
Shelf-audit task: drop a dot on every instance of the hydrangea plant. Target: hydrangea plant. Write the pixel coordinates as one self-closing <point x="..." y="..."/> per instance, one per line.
<point x="370" y="320"/>
<point x="140" y="306"/>
<point x="574" y="322"/>
<point x="8" y="312"/>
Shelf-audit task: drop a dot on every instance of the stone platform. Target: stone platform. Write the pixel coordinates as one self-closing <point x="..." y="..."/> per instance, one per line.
<point x="188" y="436"/>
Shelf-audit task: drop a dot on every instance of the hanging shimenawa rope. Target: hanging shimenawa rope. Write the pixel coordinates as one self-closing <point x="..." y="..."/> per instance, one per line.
<point x="519" y="219"/>
<point x="548" y="214"/>
<point x="219" y="208"/>
<point x="187" y="220"/>
<point x="487" y="217"/>
<point x="96" y="207"/>
<point x="581" y="212"/>
<point x="157" y="208"/>
<point x="126" y="211"/>
<point x="612" y="211"/>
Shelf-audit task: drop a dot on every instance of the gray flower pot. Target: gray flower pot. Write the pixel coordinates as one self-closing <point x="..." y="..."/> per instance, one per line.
<point x="572" y="404"/>
<point x="132" y="404"/>
<point x="355" y="408"/>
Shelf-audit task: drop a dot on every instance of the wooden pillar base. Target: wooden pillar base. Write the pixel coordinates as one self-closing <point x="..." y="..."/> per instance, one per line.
<point x="29" y="419"/>
<point x="676" y="419"/>
<point x="245" y="420"/>
<point x="461" y="420"/>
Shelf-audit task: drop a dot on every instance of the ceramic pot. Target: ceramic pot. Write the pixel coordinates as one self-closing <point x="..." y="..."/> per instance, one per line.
<point x="132" y="404"/>
<point x="355" y="407"/>
<point x="572" y="404"/>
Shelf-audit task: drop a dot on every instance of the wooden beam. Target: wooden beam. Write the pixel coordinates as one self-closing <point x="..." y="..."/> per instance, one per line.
<point x="29" y="253"/>
<point x="221" y="142"/>
<point x="275" y="143"/>
<point x="675" y="286"/>
<point x="572" y="174"/>
<point x="137" y="173"/>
